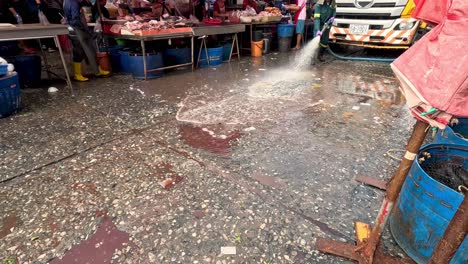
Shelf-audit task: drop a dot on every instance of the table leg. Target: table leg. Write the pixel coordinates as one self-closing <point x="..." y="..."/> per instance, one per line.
<point x="69" y="83"/>
<point x="199" y="52"/>
<point x="206" y="51"/>
<point x="192" y="43"/>
<point x="237" y="47"/>
<point x="46" y="62"/>
<point x="144" y="58"/>
<point x="232" y="47"/>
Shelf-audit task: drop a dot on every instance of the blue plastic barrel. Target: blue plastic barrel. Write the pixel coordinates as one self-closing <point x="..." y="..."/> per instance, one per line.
<point x="426" y="206"/>
<point x="8" y="48"/>
<point x="9" y="94"/>
<point x="215" y="55"/>
<point x="455" y="134"/>
<point x="115" y="57"/>
<point x="125" y="66"/>
<point x="153" y="61"/>
<point x="285" y="30"/>
<point x="28" y="68"/>
<point x="226" y="51"/>
<point x="177" y="56"/>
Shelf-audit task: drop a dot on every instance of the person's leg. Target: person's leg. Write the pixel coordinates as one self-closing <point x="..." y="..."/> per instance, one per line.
<point x="78" y="57"/>
<point x="323" y="44"/>
<point x="87" y="42"/>
<point x="299" y="31"/>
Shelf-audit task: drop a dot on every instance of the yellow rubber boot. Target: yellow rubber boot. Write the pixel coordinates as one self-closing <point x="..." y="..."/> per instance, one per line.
<point x="102" y="72"/>
<point x="77" y="70"/>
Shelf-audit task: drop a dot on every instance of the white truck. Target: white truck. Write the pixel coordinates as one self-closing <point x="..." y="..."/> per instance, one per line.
<point x="375" y="23"/>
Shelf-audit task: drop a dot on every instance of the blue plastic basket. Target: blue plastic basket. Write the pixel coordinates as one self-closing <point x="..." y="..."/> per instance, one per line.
<point x="285" y="30"/>
<point x="9" y="95"/>
<point x="426" y="206"/>
<point x="153" y="61"/>
<point x="3" y="69"/>
<point x="215" y="55"/>
<point x="177" y="56"/>
<point x="456" y="134"/>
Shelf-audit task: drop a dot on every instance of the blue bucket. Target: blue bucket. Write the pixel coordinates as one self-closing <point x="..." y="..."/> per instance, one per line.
<point x="28" y="68"/>
<point x="456" y="134"/>
<point x="153" y="61"/>
<point x="215" y="55"/>
<point x="226" y="51"/>
<point x="9" y="94"/>
<point x="426" y="206"/>
<point x="285" y="30"/>
<point x="177" y="56"/>
<point x="125" y="66"/>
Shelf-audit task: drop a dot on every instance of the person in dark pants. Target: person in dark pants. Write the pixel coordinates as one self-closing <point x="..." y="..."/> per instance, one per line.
<point x="54" y="11"/>
<point x="200" y="10"/>
<point x="19" y="13"/>
<point x="95" y="10"/>
<point x="325" y="11"/>
<point x="82" y="40"/>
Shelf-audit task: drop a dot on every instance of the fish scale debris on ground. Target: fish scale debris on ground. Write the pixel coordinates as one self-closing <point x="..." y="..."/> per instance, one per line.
<point x="229" y="171"/>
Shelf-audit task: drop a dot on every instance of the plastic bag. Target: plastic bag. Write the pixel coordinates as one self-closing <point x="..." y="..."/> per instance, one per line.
<point x="43" y="19"/>
<point x="98" y="26"/>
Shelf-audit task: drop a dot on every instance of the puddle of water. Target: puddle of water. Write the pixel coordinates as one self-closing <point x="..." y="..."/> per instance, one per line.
<point x="199" y="138"/>
<point x="99" y="248"/>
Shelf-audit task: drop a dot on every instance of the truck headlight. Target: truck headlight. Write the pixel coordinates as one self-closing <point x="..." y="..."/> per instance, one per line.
<point x="404" y="26"/>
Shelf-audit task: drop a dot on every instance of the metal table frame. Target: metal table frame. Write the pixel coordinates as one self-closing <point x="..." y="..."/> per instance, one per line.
<point x="37" y="31"/>
<point x="259" y="24"/>
<point x="204" y="31"/>
<point x="143" y="39"/>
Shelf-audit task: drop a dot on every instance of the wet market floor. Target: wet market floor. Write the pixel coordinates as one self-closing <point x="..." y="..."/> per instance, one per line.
<point x="248" y="162"/>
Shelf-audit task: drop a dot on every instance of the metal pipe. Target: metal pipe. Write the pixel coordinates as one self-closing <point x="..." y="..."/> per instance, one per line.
<point x="453" y="235"/>
<point x="394" y="188"/>
<point x="358" y="58"/>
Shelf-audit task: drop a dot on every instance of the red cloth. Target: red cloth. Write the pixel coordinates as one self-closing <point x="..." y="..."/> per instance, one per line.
<point x="431" y="11"/>
<point x="216" y="7"/>
<point x="435" y="68"/>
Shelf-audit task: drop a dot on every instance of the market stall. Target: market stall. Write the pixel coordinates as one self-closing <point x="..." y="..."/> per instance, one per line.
<point x="38" y="31"/>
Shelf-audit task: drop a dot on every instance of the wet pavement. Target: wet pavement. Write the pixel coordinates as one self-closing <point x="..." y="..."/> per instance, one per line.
<point x="248" y="162"/>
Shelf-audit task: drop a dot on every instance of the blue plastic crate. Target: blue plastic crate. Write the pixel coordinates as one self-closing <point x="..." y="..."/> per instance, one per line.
<point x="9" y="95"/>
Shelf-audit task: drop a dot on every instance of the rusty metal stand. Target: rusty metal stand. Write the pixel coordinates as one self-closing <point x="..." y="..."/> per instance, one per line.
<point x="453" y="235"/>
<point x="366" y="250"/>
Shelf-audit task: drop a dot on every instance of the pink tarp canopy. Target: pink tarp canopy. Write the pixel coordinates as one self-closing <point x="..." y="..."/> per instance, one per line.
<point x="433" y="73"/>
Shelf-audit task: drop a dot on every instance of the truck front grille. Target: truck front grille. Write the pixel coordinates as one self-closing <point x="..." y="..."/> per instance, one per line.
<point x="374" y="5"/>
<point x="375" y="16"/>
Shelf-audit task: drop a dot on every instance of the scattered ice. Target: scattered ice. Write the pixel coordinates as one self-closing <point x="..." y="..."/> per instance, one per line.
<point x="228" y="250"/>
<point x="52" y="89"/>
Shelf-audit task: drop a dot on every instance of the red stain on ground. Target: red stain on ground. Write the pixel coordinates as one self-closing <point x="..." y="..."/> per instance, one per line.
<point x="99" y="248"/>
<point x="198" y="214"/>
<point x="197" y="138"/>
<point x="8" y="223"/>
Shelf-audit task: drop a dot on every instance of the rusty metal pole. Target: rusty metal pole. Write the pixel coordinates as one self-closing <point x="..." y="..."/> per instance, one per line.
<point x="453" y="235"/>
<point x="367" y="250"/>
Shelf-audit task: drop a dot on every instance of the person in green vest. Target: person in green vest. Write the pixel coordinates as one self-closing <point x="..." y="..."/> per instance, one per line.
<point x="325" y="11"/>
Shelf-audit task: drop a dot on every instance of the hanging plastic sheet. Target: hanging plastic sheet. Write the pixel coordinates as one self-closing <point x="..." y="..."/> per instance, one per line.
<point x="433" y="73"/>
